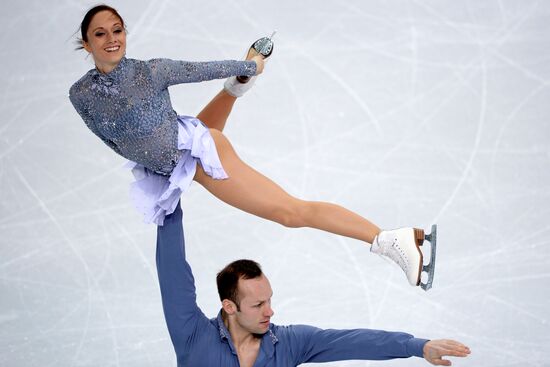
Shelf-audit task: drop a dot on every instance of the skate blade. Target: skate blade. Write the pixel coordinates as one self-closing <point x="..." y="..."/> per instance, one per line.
<point x="430" y="268"/>
<point x="419" y="240"/>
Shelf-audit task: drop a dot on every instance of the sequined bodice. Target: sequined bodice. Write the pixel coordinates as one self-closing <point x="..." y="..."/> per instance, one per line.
<point x="130" y="109"/>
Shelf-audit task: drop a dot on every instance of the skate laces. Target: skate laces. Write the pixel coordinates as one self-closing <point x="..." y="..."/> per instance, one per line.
<point x="389" y="249"/>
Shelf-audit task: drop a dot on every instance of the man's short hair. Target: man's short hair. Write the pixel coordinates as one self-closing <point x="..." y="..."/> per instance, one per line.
<point x="228" y="278"/>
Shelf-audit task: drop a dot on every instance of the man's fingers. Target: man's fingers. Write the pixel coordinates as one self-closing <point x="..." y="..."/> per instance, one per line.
<point x="441" y="362"/>
<point x="457" y="345"/>
<point x="455" y="352"/>
<point x="454" y="348"/>
<point x="435" y="350"/>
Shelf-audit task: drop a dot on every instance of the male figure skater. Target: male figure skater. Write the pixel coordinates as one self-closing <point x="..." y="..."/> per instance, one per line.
<point x="242" y="334"/>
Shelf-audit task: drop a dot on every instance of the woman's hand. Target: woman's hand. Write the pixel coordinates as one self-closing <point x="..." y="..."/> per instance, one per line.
<point x="259" y="60"/>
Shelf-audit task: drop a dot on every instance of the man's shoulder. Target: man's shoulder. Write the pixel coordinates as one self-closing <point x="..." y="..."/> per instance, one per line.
<point x="292" y="331"/>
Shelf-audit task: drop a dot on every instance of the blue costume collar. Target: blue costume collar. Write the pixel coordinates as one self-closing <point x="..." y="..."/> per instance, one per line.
<point x="269" y="339"/>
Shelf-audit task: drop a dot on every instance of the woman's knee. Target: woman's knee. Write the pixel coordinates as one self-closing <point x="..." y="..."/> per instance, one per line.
<point x="294" y="215"/>
<point x="223" y="144"/>
<point x="217" y="135"/>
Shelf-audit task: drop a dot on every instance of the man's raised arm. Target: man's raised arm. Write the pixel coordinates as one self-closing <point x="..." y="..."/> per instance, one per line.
<point x="177" y="285"/>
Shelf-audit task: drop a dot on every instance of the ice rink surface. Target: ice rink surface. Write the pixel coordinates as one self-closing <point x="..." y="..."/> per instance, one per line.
<point x="408" y="112"/>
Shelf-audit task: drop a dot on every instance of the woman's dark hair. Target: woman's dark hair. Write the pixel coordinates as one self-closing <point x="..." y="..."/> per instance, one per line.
<point x="228" y="278"/>
<point x="88" y="19"/>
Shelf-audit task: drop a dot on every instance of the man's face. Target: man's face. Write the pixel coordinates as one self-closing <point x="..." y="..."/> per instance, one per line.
<point x="255" y="305"/>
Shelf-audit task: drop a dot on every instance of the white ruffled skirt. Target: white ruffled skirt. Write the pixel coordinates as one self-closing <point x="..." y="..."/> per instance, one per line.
<point x="155" y="195"/>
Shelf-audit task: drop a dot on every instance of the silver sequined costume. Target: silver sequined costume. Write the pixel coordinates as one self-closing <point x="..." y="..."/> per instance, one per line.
<point x="130" y="109"/>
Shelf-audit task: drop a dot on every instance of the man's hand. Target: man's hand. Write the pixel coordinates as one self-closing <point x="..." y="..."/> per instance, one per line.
<point x="434" y="350"/>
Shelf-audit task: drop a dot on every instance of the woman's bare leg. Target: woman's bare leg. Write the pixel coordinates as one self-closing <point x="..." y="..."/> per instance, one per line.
<point x="216" y="112"/>
<point x="254" y="193"/>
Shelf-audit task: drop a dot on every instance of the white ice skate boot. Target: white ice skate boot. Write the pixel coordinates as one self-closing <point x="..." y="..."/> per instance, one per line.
<point x="403" y="247"/>
<point x="237" y="86"/>
<point x="237" y="89"/>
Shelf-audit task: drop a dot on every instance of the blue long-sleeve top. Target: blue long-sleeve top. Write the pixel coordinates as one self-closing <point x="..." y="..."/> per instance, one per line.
<point x="130" y="110"/>
<point x="202" y="342"/>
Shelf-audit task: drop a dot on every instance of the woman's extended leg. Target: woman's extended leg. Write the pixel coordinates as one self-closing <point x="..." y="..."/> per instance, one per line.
<point x="254" y="193"/>
<point x="216" y="112"/>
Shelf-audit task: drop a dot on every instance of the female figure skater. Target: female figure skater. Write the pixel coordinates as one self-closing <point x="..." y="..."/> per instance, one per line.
<point x="125" y="102"/>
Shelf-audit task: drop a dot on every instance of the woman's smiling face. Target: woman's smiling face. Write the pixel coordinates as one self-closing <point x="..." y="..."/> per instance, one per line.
<point x="106" y="40"/>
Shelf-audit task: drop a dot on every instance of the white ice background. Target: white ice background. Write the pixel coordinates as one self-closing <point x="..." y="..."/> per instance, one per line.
<point x="408" y="112"/>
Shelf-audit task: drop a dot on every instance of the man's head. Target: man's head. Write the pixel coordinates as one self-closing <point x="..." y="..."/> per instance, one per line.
<point x="245" y="294"/>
